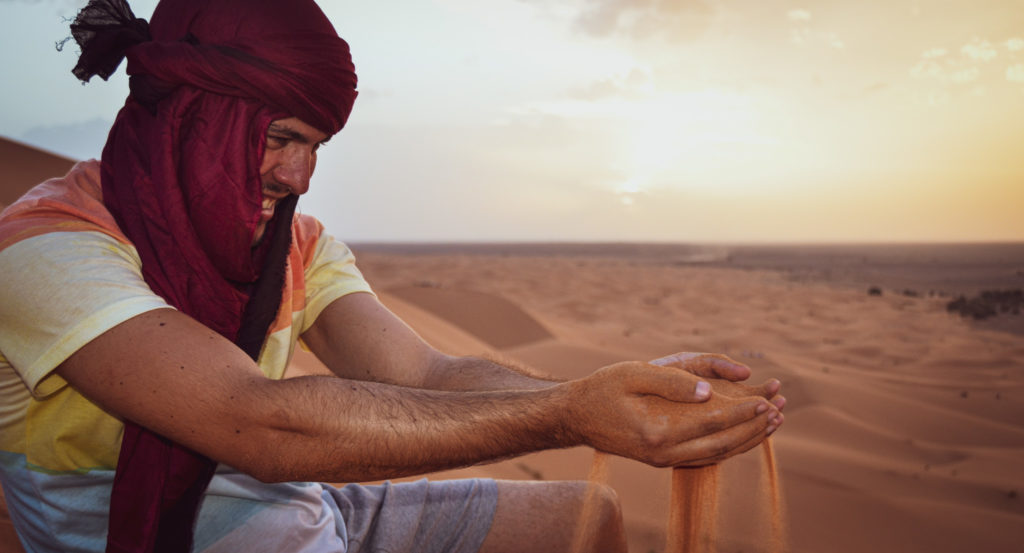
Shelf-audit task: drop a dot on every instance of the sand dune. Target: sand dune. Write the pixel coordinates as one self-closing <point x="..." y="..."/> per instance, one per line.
<point x="566" y="360"/>
<point x="25" y="167"/>
<point x="490" y="318"/>
<point x="905" y="427"/>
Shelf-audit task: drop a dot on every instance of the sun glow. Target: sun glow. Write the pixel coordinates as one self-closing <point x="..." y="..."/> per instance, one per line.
<point x="679" y="138"/>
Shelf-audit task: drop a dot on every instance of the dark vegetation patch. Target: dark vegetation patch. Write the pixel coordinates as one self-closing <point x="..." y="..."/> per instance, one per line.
<point x="988" y="303"/>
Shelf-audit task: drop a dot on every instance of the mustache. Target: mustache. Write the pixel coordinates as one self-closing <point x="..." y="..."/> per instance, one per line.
<point x="276" y="189"/>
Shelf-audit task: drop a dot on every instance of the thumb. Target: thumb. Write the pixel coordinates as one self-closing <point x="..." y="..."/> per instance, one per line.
<point x="675" y="385"/>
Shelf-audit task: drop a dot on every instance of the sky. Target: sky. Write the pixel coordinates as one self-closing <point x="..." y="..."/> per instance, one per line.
<point x="630" y="120"/>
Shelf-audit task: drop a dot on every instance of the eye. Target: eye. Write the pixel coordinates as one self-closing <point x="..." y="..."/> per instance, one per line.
<point x="276" y="142"/>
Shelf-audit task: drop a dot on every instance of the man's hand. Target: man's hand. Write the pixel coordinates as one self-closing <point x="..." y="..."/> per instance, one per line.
<point x="656" y="415"/>
<point x="723" y="371"/>
<point x="706" y="365"/>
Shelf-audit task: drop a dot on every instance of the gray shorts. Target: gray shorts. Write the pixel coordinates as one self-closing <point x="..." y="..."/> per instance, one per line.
<point x="448" y="516"/>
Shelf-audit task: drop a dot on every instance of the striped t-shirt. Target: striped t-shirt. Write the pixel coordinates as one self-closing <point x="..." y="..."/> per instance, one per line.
<point x="69" y="275"/>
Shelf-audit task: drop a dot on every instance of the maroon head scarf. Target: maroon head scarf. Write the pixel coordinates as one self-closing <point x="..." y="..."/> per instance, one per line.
<point x="180" y="174"/>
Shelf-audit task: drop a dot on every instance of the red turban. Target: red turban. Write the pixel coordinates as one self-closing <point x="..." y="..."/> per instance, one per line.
<point x="180" y="175"/>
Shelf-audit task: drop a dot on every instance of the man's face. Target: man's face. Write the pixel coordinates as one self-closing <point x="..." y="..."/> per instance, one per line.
<point x="288" y="162"/>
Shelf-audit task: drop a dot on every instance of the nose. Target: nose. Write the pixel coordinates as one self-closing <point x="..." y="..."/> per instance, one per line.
<point x="294" y="170"/>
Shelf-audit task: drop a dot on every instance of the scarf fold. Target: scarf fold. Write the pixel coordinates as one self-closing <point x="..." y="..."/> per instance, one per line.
<point x="181" y="176"/>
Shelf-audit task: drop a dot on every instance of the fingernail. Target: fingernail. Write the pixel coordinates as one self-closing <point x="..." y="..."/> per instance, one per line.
<point x="761" y="408"/>
<point x="702" y="390"/>
<point x="771" y="430"/>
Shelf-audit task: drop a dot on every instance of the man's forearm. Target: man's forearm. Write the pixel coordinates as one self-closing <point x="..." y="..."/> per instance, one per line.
<point x="383" y="431"/>
<point x="480" y="374"/>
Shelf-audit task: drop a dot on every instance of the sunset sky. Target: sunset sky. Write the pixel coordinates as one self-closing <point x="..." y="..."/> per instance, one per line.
<point x="619" y="120"/>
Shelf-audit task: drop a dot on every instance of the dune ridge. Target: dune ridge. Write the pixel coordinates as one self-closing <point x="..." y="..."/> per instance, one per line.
<point x="26" y="166"/>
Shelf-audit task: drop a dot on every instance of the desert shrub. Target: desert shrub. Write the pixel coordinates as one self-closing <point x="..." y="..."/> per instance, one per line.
<point x="988" y="303"/>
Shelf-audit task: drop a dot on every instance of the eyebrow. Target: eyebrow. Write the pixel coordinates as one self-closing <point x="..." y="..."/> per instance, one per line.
<point x="293" y="134"/>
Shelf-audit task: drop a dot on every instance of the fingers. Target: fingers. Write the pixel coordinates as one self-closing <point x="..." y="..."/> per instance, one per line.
<point x="668" y="384"/>
<point x="732" y="441"/>
<point x="708" y="365"/>
<point x="769" y="389"/>
<point x="758" y="439"/>
<point x="675" y="359"/>
<point x="721" y="366"/>
<point x="725" y="376"/>
<point x="721" y="414"/>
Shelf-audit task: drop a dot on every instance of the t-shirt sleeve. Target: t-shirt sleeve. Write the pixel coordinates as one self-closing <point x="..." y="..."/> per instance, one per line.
<point x="331" y="274"/>
<point x="60" y="291"/>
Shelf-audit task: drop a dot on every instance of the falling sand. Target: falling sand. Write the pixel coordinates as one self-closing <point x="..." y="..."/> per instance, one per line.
<point x="692" y="518"/>
<point x="588" y="515"/>
<point x="693" y="512"/>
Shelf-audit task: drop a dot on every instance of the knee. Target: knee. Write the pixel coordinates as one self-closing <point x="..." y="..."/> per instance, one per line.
<point x="601" y="527"/>
<point x="601" y="508"/>
<point x="605" y="501"/>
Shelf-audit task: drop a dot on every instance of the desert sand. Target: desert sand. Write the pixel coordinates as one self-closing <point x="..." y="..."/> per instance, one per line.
<point x="26" y="166"/>
<point x="905" y="423"/>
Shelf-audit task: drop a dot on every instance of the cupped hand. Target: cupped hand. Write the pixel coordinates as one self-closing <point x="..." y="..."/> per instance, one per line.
<point x="707" y="365"/>
<point x="654" y="414"/>
<point x="715" y="366"/>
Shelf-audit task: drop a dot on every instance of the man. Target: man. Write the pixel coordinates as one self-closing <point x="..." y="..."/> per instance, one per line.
<point x="152" y="301"/>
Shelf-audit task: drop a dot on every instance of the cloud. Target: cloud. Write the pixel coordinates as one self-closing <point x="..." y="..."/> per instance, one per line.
<point x="928" y="68"/>
<point x="936" y="63"/>
<point x="980" y="50"/>
<point x="965" y="75"/>
<point x="833" y="40"/>
<point x="801" y="34"/>
<point x="633" y="85"/>
<point x="675" y="19"/>
<point x="798" y="15"/>
<point x="1015" y="73"/>
<point x="874" y="88"/>
<point x="968" y="70"/>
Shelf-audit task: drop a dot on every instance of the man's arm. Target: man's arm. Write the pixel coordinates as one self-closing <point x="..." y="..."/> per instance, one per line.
<point x="173" y="375"/>
<point x="357" y="337"/>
